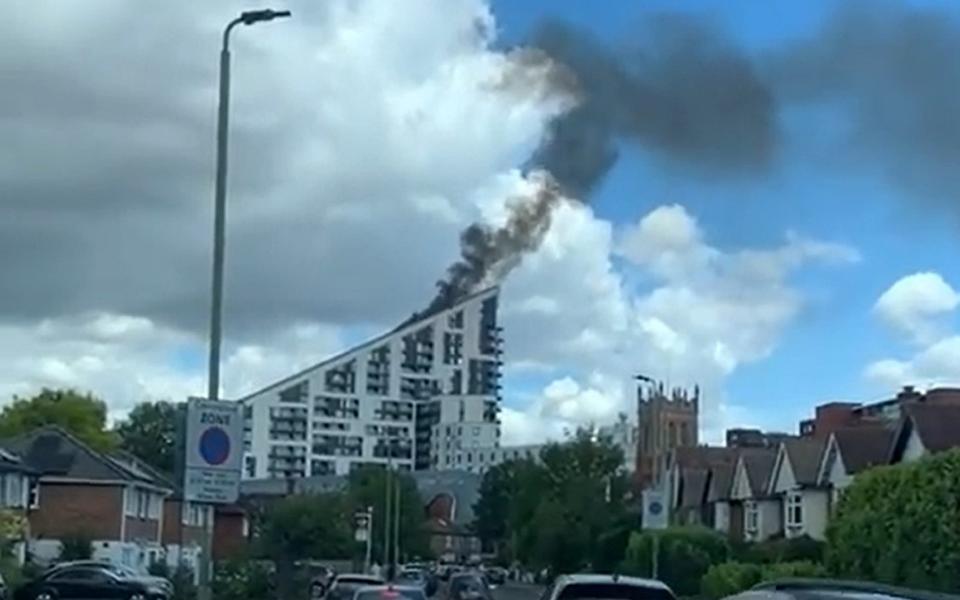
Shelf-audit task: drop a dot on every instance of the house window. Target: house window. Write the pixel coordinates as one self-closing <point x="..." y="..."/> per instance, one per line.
<point x="752" y="517"/>
<point x="794" y="509"/>
<point x="156" y="501"/>
<point x="33" y="496"/>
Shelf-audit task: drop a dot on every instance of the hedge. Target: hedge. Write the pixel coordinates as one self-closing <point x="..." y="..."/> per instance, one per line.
<point x="900" y="525"/>
<point x="803" y="548"/>
<point x="726" y="579"/>
<point x="685" y="555"/>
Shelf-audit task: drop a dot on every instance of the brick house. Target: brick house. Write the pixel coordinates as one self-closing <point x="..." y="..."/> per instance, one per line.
<point x="184" y="524"/>
<point x="231" y="532"/>
<point x="110" y="499"/>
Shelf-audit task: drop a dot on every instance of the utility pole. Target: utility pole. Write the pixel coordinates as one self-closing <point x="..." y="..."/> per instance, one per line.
<point x="396" y="518"/>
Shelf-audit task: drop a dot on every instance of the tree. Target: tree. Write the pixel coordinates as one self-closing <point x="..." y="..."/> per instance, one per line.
<point x="77" y="546"/>
<point x="898" y="525"/>
<point x="565" y="512"/>
<point x="151" y="432"/>
<point x="305" y="527"/>
<point x="83" y="415"/>
<point x="366" y="487"/>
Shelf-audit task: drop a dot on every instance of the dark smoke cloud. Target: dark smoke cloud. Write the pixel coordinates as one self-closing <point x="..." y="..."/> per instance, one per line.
<point x="488" y="254"/>
<point x="687" y="94"/>
<point x="894" y="72"/>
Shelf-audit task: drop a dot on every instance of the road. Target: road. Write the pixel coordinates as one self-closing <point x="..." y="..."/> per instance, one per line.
<point x="517" y="591"/>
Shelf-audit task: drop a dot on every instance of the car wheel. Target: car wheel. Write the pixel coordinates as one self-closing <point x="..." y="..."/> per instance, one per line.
<point x="46" y="595"/>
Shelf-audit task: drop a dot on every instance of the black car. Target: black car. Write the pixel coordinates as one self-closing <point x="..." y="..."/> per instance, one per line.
<point x="88" y="582"/>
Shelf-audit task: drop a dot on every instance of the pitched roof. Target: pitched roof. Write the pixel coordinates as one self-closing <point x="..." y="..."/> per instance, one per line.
<point x="758" y="463"/>
<point x="704" y="456"/>
<point x="804" y="455"/>
<point x="721" y="480"/>
<point x="938" y="425"/>
<point x="694" y="487"/>
<point x="863" y="446"/>
<point x="52" y="451"/>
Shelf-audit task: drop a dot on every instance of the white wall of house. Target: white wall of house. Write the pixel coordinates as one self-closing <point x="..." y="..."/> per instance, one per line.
<point x="838" y="479"/>
<point x="762" y="519"/>
<point x="914" y="449"/>
<point x="721" y="515"/>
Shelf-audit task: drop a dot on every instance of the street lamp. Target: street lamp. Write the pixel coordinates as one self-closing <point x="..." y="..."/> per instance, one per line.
<point x="220" y="195"/>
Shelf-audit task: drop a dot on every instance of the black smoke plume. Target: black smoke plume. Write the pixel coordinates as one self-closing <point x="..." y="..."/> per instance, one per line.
<point x="685" y="94"/>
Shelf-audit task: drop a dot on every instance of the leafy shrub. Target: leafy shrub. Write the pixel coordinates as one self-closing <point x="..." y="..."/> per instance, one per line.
<point x="77" y="546"/>
<point x="782" y="550"/>
<point x="241" y="580"/>
<point x="797" y="568"/>
<point x="728" y="578"/>
<point x="685" y="555"/>
<point x="898" y="525"/>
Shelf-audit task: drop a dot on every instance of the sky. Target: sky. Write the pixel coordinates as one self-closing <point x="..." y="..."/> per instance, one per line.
<point x="777" y="225"/>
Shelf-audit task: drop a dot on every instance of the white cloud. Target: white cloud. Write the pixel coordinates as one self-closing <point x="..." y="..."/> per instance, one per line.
<point x="705" y="312"/>
<point x="913" y="305"/>
<point x="937" y="364"/>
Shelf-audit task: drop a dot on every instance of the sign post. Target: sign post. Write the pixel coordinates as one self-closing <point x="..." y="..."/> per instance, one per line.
<point x="363" y="533"/>
<point x="212" y="462"/>
<point x="655" y="518"/>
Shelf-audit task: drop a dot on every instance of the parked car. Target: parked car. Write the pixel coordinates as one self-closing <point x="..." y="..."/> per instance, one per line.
<point x="606" y="587"/>
<point x="495" y="575"/>
<point x="468" y="586"/>
<point x="832" y="589"/>
<point x="120" y="570"/>
<point x="344" y="586"/>
<point x="417" y="578"/>
<point x="390" y="592"/>
<point x="90" y="581"/>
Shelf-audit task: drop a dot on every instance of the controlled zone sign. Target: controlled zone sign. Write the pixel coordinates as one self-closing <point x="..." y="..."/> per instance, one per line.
<point x="654" y="510"/>
<point x="214" y="451"/>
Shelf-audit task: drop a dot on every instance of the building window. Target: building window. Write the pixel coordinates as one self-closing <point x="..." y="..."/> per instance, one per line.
<point x="33" y="496"/>
<point x="153" y="510"/>
<point x="794" y="509"/>
<point x="751" y="517"/>
<point x="250" y="464"/>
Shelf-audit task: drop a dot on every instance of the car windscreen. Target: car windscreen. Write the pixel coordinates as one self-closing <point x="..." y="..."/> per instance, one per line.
<point x="344" y="589"/>
<point x="612" y="591"/>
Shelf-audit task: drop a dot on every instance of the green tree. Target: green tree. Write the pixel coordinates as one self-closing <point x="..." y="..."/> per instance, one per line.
<point x="685" y="555"/>
<point x="151" y="432"/>
<point x="304" y="527"/>
<point x="366" y="487"/>
<point x="565" y="512"/>
<point x="899" y="525"/>
<point x="83" y="415"/>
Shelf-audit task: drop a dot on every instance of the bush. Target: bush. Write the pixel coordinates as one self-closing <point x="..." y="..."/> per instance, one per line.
<point x="241" y="580"/>
<point x="686" y="553"/>
<point x="77" y="546"/>
<point x="898" y="525"/>
<point x="726" y="579"/>
<point x="798" y="568"/>
<point x="782" y="550"/>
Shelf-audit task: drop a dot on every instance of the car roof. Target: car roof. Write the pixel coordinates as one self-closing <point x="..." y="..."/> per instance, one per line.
<point x="618" y="579"/>
<point x="360" y="578"/>
<point x="399" y="588"/>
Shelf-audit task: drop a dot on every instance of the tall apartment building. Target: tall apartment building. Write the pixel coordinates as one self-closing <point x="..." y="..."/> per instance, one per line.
<point x="415" y="396"/>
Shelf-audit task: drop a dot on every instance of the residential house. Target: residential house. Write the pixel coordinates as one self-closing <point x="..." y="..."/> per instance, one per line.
<point x="762" y="512"/>
<point x="689" y="472"/>
<point x="849" y="451"/>
<point x="805" y="502"/>
<point x="184" y="527"/>
<point x="231" y="531"/>
<point x="18" y="493"/>
<point x="81" y="491"/>
<point x="727" y="515"/>
<point x="925" y="429"/>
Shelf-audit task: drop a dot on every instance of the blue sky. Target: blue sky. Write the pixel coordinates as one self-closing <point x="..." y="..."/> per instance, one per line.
<point x="823" y="353"/>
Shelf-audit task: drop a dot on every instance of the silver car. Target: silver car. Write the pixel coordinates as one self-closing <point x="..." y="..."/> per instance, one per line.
<point x="606" y="587"/>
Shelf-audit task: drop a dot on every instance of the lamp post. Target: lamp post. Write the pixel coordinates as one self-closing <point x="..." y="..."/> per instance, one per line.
<point x="219" y="234"/>
<point x="220" y="194"/>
